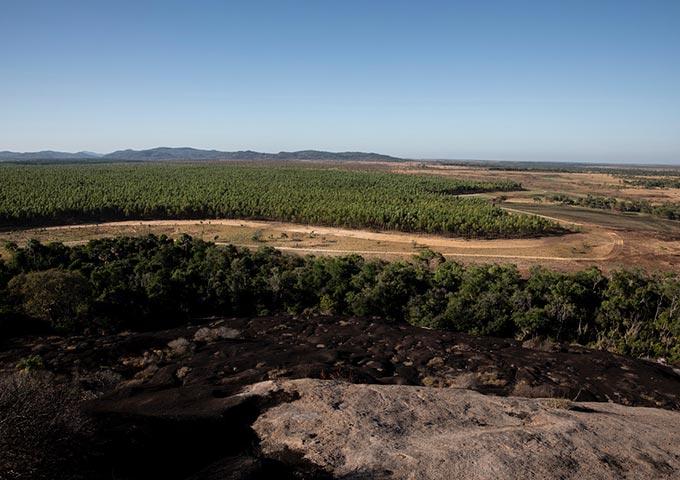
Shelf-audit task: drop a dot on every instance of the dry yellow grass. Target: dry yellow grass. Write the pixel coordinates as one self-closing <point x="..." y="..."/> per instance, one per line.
<point x="568" y="251"/>
<point x="549" y="183"/>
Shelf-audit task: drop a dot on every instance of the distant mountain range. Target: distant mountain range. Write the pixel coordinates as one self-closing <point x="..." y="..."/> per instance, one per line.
<point x="183" y="154"/>
<point x="47" y="155"/>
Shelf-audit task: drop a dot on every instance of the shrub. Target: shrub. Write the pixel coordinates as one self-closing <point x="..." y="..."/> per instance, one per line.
<point x="29" y="364"/>
<point x="40" y="426"/>
<point x="54" y="296"/>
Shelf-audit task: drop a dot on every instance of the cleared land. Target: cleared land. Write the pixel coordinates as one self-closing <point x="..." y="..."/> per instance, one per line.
<point x="539" y="182"/>
<point x="602" y="238"/>
<point x="596" y="246"/>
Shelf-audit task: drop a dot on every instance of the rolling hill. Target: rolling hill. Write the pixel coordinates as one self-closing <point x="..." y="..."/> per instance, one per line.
<point x="46" y="155"/>
<point x="193" y="154"/>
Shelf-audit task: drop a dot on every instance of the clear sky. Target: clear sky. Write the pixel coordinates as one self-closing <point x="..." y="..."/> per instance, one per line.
<point x="564" y="80"/>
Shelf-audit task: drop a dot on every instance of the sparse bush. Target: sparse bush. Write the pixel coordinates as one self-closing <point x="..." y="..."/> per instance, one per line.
<point x="326" y="305"/>
<point x="41" y="427"/>
<point x="559" y="403"/>
<point x="209" y="335"/>
<point x="179" y="347"/>
<point x="30" y="364"/>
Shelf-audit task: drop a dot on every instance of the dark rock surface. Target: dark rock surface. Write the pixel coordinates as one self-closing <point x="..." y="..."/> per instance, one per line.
<point x="225" y="355"/>
<point x="176" y="412"/>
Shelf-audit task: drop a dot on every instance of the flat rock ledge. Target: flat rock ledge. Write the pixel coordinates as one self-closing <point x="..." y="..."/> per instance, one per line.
<point x="410" y="432"/>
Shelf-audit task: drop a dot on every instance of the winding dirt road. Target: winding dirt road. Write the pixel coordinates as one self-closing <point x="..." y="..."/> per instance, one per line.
<point x="610" y="243"/>
<point x="616" y="248"/>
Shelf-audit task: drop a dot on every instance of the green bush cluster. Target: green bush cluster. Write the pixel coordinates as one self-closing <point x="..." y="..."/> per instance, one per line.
<point x="156" y="282"/>
<point x="39" y="194"/>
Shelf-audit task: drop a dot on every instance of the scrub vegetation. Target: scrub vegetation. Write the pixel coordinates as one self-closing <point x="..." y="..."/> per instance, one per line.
<point x="670" y="211"/>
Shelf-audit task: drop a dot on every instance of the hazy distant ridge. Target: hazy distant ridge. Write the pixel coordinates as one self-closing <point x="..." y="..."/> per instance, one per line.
<point x="179" y="154"/>
<point x="47" y="155"/>
<point x="164" y="153"/>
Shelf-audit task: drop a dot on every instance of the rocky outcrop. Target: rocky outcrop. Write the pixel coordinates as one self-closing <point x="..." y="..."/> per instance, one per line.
<point x="400" y="432"/>
<point x="223" y="356"/>
<point x="329" y="397"/>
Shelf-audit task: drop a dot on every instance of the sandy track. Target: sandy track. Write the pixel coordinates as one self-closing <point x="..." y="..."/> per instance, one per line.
<point x="617" y="246"/>
<point x="555" y="219"/>
<point x="452" y="247"/>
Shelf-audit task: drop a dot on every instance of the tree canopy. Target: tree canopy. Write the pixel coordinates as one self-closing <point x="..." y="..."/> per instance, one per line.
<point x="157" y="282"/>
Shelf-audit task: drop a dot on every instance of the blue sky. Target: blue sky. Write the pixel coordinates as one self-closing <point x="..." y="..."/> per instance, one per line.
<point x="518" y="80"/>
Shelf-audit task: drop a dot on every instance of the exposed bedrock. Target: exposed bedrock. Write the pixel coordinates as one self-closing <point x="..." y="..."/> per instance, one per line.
<point x="329" y="397"/>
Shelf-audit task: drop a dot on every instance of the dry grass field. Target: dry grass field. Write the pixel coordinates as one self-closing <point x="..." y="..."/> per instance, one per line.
<point x="552" y="183"/>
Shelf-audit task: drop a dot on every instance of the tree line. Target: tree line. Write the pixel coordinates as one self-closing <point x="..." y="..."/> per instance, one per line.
<point x="668" y="210"/>
<point x="156" y="282"/>
<point x="650" y="182"/>
<point x="44" y="194"/>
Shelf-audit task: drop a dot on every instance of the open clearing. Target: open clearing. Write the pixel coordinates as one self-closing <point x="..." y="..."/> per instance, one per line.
<point x="538" y="183"/>
<point x="601" y="245"/>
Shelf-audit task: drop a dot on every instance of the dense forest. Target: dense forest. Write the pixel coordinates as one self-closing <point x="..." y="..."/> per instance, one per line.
<point x="155" y="282"/>
<point x="41" y="194"/>
<point x="667" y="210"/>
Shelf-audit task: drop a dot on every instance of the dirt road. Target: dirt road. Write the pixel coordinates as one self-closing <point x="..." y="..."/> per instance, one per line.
<point x="605" y="245"/>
